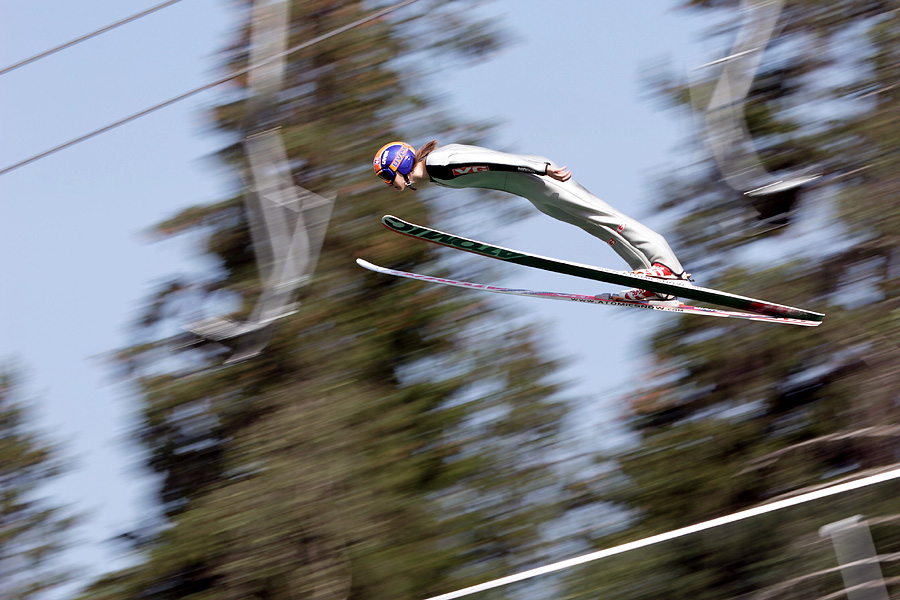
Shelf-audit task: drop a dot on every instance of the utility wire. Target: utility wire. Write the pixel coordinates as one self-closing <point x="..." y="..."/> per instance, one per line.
<point x="86" y="36"/>
<point x="205" y="87"/>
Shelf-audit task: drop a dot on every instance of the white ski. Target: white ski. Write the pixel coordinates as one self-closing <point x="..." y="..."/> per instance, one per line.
<point x="601" y="299"/>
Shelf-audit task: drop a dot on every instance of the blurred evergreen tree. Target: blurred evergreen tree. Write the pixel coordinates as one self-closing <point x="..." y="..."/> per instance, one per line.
<point x="389" y="442"/>
<point x="32" y="532"/>
<point x="741" y="414"/>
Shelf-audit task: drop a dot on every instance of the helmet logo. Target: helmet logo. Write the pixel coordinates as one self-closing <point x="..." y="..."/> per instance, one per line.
<point x="398" y="158"/>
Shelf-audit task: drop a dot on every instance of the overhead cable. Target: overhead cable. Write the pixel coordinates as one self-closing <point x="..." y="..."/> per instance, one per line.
<point x="203" y="88"/>
<point x="86" y="36"/>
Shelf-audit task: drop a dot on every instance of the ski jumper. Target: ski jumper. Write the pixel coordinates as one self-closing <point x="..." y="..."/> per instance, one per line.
<point x="461" y="166"/>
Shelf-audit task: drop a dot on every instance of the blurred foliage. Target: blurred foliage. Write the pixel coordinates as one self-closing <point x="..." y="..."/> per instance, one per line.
<point x="389" y="441"/>
<point x="32" y="532"/>
<point x="739" y="414"/>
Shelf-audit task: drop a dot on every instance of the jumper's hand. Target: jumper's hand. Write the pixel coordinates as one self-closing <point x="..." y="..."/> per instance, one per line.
<point x="559" y="174"/>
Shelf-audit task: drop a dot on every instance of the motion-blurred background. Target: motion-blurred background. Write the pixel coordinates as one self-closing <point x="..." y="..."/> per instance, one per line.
<point x="401" y="441"/>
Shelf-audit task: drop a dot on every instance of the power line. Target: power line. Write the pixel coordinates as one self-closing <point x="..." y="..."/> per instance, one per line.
<point x="86" y="36"/>
<point x="205" y="87"/>
<point x="677" y="533"/>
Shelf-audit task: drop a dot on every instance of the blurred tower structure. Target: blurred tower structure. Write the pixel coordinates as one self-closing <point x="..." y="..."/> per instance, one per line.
<point x="287" y="222"/>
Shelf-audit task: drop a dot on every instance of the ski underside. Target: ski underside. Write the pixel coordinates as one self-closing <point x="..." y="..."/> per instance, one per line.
<point x="602" y="299"/>
<point x="760" y="310"/>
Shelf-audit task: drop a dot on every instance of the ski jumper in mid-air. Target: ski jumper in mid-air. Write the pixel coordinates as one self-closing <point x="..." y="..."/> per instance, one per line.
<point x="548" y="186"/>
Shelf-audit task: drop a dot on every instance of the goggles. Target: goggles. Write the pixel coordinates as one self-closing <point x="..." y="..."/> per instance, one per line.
<point x="386" y="175"/>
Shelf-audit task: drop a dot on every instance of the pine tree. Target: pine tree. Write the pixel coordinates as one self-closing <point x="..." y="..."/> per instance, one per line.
<point x="389" y="442"/>
<point x="32" y="531"/>
<point x="741" y="414"/>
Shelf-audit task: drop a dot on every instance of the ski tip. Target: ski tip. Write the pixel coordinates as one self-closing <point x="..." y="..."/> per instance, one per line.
<point x="370" y="266"/>
<point x="395" y="223"/>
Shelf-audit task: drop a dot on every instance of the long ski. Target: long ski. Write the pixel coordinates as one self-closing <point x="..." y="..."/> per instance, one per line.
<point x="602" y="299"/>
<point x="679" y="288"/>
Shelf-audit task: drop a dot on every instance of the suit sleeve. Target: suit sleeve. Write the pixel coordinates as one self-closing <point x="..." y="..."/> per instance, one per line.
<point x="468" y="162"/>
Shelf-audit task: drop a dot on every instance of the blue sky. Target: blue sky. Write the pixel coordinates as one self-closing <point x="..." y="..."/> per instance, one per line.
<point x="78" y="264"/>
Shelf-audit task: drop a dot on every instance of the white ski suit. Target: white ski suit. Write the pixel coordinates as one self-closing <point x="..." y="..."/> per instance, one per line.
<point x="461" y="166"/>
